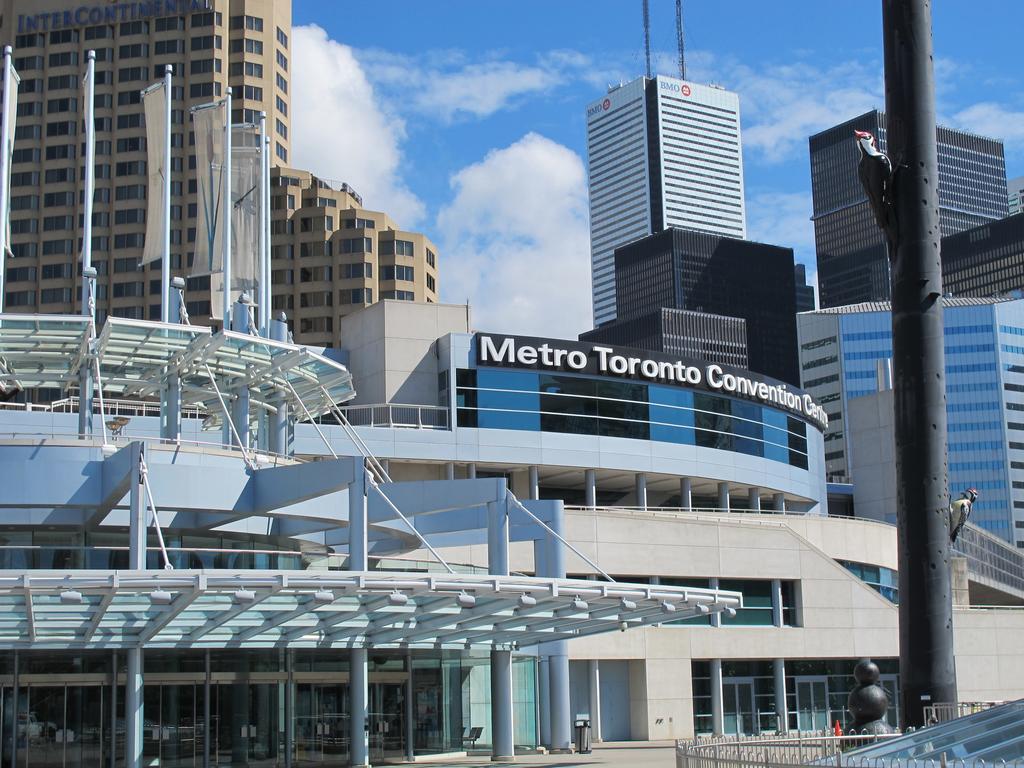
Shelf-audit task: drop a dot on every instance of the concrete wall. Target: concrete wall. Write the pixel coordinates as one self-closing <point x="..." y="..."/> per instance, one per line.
<point x="392" y="351"/>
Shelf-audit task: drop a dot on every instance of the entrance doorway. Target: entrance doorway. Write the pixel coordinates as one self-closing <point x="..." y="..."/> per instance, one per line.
<point x="387" y="720"/>
<point x="812" y="711"/>
<point x="321" y="724"/>
<point x="739" y="713"/>
<point x="58" y="725"/>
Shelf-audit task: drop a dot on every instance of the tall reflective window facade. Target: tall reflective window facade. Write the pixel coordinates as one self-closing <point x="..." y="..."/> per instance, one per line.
<point x="498" y="399"/>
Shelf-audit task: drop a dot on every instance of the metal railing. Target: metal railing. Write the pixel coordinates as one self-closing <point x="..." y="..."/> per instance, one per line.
<point x="768" y="751"/>
<point x="397" y="416"/>
<point x="942" y="712"/>
<point x="111" y="407"/>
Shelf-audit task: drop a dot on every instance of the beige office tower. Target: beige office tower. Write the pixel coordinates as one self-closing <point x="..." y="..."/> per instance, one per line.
<point x="331" y="257"/>
<point x="245" y="44"/>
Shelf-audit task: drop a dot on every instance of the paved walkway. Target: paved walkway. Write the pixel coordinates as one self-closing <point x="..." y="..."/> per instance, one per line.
<point x="647" y="754"/>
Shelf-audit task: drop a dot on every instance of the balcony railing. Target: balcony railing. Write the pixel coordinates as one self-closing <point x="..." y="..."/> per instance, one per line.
<point x="397" y="416"/>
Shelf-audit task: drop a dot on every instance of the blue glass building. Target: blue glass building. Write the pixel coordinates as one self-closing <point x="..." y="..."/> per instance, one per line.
<point x="844" y="351"/>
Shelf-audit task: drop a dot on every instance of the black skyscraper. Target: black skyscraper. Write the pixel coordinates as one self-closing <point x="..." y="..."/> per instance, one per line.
<point x="853" y="265"/>
<point x="701" y="272"/>
<point x="804" y="291"/>
<point x="985" y="261"/>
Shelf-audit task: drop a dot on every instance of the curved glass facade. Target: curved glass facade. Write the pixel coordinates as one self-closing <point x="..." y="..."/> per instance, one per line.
<point x="534" y="401"/>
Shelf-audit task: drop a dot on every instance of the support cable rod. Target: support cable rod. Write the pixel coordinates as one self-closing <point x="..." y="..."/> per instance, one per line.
<point x="373" y="484"/>
<point x="549" y="529"/>
<point x="310" y="417"/>
<point x="227" y="416"/>
<point x="376" y="466"/>
<point x="156" y="515"/>
<point x="361" y="446"/>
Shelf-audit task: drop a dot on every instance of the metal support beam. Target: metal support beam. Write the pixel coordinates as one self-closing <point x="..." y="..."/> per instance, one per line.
<point x="777" y="616"/>
<point x="594" y="668"/>
<point x="497" y="538"/>
<point x="133" y="714"/>
<point x="359" y="733"/>
<point x="640" y="484"/>
<point x="561" y="723"/>
<point x="754" y="499"/>
<point x="716" y="617"/>
<point x="779" y="502"/>
<point x="927" y="669"/>
<point x="590" y="486"/>
<point x="357" y="524"/>
<point x="137" y="509"/>
<point x="410" y="712"/>
<point x="280" y="422"/>
<point x="502" y="747"/>
<point x="544" y="696"/>
<point x="781" y="706"/>
<point x="240" y="322"/>
<point x="717" y="697"/>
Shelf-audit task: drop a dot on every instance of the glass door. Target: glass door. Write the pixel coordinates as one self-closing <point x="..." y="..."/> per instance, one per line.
<point x="812" y="712"/>
<point x="387" y="720"/>
<point x="321" y="724"/>
<point x="739" y="715"/>
<point x="244" y="728"/>
<point x="63" y="726"/>
<point x="172" y="733"/>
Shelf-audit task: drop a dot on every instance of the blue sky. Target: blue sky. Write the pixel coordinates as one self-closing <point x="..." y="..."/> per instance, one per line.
<point x="465" y="120"/>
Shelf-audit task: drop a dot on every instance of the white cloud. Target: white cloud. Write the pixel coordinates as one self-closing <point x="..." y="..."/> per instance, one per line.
<point x="444" y="86"/>
<point x="995" y="120"/>
<point x="516" y="240"/>
<point x="340" y="132"/>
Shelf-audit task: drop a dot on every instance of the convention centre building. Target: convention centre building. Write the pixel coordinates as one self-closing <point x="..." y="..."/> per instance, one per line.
<point x="236" y="550"/>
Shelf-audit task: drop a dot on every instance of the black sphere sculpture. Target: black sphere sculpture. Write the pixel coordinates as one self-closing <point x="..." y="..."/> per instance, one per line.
<point x="868" y="701"/>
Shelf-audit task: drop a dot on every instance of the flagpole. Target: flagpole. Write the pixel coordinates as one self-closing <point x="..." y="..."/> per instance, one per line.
<point x="227" y="209"/>
<point x="88" y="307"/>
<point x="5" y="169"/>
<point x="264" y="240"/>
<point x="165" y="265"/>
<point x="85" y="382"/>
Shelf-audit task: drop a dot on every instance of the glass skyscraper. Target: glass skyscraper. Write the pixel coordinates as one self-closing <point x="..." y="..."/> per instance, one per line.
<point x="844" y="350"/>
<point x="853" y="264"/>
<point x="662" y="153"/>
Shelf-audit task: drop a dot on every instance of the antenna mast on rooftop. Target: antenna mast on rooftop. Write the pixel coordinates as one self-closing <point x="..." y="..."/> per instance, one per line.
<point x="647" y="35"/>
<point x="679" y="39"/>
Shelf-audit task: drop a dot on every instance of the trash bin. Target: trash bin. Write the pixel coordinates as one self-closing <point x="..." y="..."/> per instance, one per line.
<point x="582" y="737"/>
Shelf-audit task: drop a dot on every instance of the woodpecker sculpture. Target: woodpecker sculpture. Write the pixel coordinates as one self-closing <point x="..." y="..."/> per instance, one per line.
<point x="959" y="511"/>
<point x="877" y="174"/>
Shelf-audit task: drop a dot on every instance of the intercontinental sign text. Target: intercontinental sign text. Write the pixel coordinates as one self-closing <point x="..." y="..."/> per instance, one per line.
<point x="557" y="355"/>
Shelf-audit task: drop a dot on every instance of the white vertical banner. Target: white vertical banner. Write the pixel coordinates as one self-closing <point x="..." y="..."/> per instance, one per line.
<point x="154" y="104"/>
<point x="10" y="109"/>
<point x="208" y="123"/>
<point x="246" y="206"/>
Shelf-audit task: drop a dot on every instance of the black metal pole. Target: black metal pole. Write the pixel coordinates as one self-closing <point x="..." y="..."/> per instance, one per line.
<point x="927" y="672"/>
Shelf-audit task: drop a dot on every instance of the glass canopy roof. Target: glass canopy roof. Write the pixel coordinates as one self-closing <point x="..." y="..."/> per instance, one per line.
<point x="993" y="735"/>
<point x="336" y="609"/>
<point x="135" y="356"/>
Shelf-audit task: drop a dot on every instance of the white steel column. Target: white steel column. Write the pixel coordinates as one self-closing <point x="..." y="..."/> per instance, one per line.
<point x="561" y="728"/>
<point x="471" y="471"/>
<point x="502" y="743"/>
<point x="263" y="296"/>
<point x="133" y="701"/>
<point x="6" y="136"/>
<point x="359" y="735"/>
<point x="228" y="205"/>
<point x="716" y="617"/>
<point x="594" y="667"/>
<point x="544" y="694"/>
<point x="781" y="705"/>
<point x="779" y="502"/>
<point x="165" y="260"/>
<point x="717" y="712"/>
<point x="777" y="617"/>
<point x="85" y="381"/>
<point x="449" y="470"/>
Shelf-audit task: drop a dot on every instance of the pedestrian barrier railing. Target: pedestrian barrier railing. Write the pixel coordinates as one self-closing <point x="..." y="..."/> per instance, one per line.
<point x="769" y="751"/>
<point x="397" y="416"/>
<point x="942" y="712"/>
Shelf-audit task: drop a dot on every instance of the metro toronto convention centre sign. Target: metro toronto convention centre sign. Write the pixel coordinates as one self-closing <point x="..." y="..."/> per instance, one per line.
<point x="493" y="349"/>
